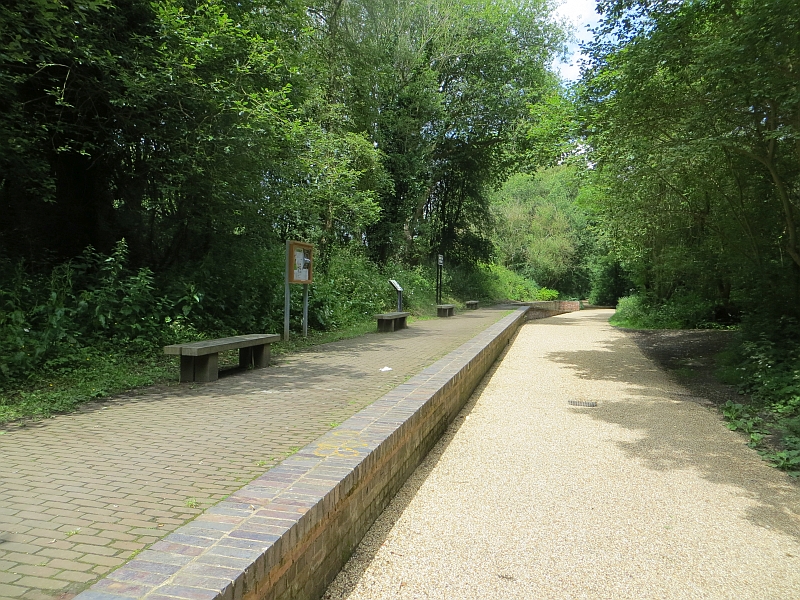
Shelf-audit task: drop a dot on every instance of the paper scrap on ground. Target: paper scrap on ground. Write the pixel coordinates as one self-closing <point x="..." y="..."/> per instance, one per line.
<point x="386" y="369"/>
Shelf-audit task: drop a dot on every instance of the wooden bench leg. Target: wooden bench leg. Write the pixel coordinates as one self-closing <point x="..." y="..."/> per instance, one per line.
<point x="256" y="357"/>
<point x="206" y="368"/>
<point x="260" y="356"/>
<point x="187" y="369"/>
<point x="245" y="358"/>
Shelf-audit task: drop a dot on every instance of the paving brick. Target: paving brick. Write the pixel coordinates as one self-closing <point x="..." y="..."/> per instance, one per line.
<point x="72" y="565"/>
<point x="41" y="583"/>
<point x="46" y="595"/>
<point x="56" y="553"/>
<point x="9" y="577"/>
<point x="76" y="576"/>
<point x="97" y="550"/>
<point x="28" y="559"/>
<point x="36" y="570"/>
<point x="128" y="545"/>
<point x="19" y="547"/>
<point x="102" y="561"/>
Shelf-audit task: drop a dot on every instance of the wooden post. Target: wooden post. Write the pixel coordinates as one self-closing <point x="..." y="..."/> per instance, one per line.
<point x="287" y="299"/>
<point x="305" y="310"/>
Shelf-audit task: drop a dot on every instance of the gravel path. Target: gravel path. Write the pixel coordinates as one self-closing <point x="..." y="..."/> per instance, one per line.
<point x="648" y="495"/>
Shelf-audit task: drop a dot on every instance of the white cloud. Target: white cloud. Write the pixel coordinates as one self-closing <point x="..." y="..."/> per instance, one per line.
<point x="582" y="15"/>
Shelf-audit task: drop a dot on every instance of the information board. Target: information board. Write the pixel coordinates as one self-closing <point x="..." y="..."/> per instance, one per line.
<point x="301" y="262"/>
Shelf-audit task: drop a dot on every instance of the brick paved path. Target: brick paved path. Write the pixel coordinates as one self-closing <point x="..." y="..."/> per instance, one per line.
<point x="82" y="493"/>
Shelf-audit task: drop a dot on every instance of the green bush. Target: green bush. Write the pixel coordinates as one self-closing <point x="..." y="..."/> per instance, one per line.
<point x="237" y="288"/>
<point x="350" y="290"/>
<point x="491" y="283"/>
<point x="90" y="301"/>
<point x="768" y="369"/>
<point x="770" y="351"/>
<point x="418" y="283"/>
<point x="685" y="310"/>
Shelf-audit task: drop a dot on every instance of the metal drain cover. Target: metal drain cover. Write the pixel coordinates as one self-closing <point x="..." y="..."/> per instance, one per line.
<point x="582" y="403"/>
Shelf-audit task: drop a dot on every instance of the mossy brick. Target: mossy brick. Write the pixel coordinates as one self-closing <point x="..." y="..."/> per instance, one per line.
<point x="58" y="553"/>
<point x="11" y="591"/>
<point x="42" y="583"/>
<point x="9" y="577"/>
<point x="103" y="561"/>
<point x="19" y="557"/>
<point x="96" y="550"/>
<point x="36" y="570"/>
<point x="76" y="576"/>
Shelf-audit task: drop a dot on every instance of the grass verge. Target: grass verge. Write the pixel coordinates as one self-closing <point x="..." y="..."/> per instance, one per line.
<point x="97" y="374"/>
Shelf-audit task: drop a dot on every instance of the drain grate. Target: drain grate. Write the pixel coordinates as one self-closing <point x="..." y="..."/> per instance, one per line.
<point x="582" y="403"/>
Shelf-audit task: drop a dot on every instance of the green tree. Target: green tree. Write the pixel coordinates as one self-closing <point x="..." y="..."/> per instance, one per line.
<point x="157" y="122"/>
<point x="691" y="115"/>
<point x="540" y="230"/>
<point x="442" y="88"/>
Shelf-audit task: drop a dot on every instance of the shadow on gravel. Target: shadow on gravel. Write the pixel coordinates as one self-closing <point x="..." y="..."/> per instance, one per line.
<point x="663" y="411"/>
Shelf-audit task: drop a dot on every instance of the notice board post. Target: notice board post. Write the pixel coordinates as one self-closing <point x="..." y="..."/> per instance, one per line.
<point x="299" y="269"/>
<point x="439" y="267"/>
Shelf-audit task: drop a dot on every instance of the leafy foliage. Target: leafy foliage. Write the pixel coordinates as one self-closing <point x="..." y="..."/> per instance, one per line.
<point x="684" y="310"/>
<point x="444" y="90"/>
<point x="692" y="133"/>
<point x="155" y="157"/>
<point x="540" y="230"/>
<point x="690" y="111"/>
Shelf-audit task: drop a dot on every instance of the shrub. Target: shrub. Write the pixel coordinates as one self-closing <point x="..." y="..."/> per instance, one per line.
<point x="491" y="283"/>
<point x="351" y="289"/>
<point x="92" y="300"/>
<point x="685" y="310"/>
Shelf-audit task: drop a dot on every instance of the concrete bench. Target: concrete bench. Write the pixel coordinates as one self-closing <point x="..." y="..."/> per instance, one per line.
<point x="472" y="304"/>
<point x="445" y="310"/>
<point x="392" y="321"/>
<point x="200" y="360"/>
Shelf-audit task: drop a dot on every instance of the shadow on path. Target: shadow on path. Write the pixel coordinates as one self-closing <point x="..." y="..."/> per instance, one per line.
<point x="674" y="432"/>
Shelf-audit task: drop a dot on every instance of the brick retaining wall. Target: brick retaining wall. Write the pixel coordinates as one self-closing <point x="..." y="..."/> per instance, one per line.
<point x="288" y="533"/>
<point x="544" y="309"/>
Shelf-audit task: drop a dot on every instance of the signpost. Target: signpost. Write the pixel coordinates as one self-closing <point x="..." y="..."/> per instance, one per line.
<point x="299" y="269"/>
<point x="399" y="291"/>
<point x="439" y="266"/>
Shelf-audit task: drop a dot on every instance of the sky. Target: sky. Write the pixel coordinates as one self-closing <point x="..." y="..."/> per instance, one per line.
<point x="581" y="13"/>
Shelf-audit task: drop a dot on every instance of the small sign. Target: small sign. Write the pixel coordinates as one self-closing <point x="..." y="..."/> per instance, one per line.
<point x="395" y="285"/>
<point x="300" y="259"/>
<point x="441" y="260"/>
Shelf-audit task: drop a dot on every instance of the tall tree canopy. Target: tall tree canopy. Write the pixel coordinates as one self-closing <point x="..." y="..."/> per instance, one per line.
<point x="443" y="89"/>
<point x="693" y="120"/>
<point x="150" y="121"/>
<point x="183" y="125"/>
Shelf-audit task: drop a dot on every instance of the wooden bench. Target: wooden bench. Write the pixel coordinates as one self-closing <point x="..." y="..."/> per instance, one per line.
<point x="200" y="360"/>
<point x="472" y="304"/>
<point x="392" y="321"/>
<point x="445" y="310"/>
